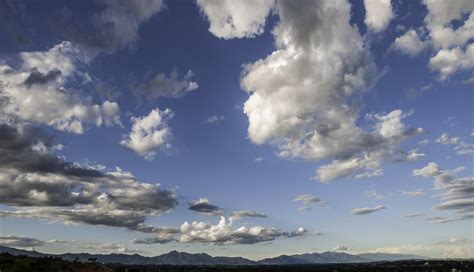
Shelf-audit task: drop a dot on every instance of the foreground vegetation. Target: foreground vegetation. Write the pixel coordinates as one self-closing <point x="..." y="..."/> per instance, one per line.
<point x="10" y="263"/>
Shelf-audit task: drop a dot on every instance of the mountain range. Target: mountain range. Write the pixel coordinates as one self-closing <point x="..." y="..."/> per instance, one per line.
<point x="183" y="258"/>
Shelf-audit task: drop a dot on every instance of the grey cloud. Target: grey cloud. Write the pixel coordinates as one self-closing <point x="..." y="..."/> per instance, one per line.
<point x="39" y="78"/>
<point x="246" y="213"/>
<point x="362" y="211"/>
<point x="20" y="241"/>
<point x="460" y="191"/>
<point x="167" y="86"/>
<point x="31" y="175"/>
<point x="459" y="205"/>
<point x="153" y="240"/>
<point x="203" y="206"/>
<point x="112" y="28"/>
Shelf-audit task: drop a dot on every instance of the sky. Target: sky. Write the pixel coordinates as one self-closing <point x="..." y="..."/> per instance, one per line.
<point x="237" y="128"/>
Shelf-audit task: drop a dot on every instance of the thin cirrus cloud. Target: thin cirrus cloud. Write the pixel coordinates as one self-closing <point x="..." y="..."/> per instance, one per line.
<point x="367" y="210"/>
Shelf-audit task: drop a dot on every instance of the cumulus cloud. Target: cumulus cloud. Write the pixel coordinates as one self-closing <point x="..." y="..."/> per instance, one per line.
<point x="167" y="86"/>
<point x="38" y="184"/>
<point x="461" y="148"/>
<point x="378" y="14"/>
<point x="224" y="233"/>
<point x="448" y="61"/>
<point x="307" y="199"/>
<point x="410" y="43"/>
<point x="458" y="195"/>
<point x="235" y="19"/>
<point x="452" y="47"/>
<point x="203" y="206"/>
<point x="307" y="106"/>
<point x="149" y="132"/>
<point x="362" y="211"/>
<point x="20" y="241"/>
<point x="38" y="90"/>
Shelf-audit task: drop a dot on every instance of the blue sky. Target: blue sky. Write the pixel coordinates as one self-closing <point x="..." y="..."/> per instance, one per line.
<point x="237" y="106"/>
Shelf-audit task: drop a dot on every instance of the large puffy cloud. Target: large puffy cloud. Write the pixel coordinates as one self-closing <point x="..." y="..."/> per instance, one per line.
<point x="38" y="184"/>
<point x="305" y="96"/>
<point x="149" y="132"/>
<point x="168" y="86"/>
<point x="224" y="233"/>
<point x="367" y="210"/>
<point x="39" y="91"/>
<point x="236" y="19"/>
<point x="450" y="30"/>
<point x="378" y="14"/>
<point x="458" y="195"/>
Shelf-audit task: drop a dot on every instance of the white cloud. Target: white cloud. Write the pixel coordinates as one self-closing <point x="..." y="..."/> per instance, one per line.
<point x="413" y="155"/>
<point x="307" y="199"/>
<point x="303" y="209"/>
<point x="224" y="233"/>
<point x="417" y="193"/>
<point x="374" y="194"/>
<point x="367" y="210"/>
<point x="448" y="61"/>
<point x="378" y="14"/>
<point x="452" y="47"/>
<point x="38" y="91"/>
<point x="409" y="43"/>
<point x="236" y="19"/>
<point x="300" y="101"/>
<point x="259" y="159"/>
<point x="340" y="248"/>
<point x="149" y="132"/>
<point x="215" y="119"/>
<point x="452" y="248"/>
<point x="461" y="148"/>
